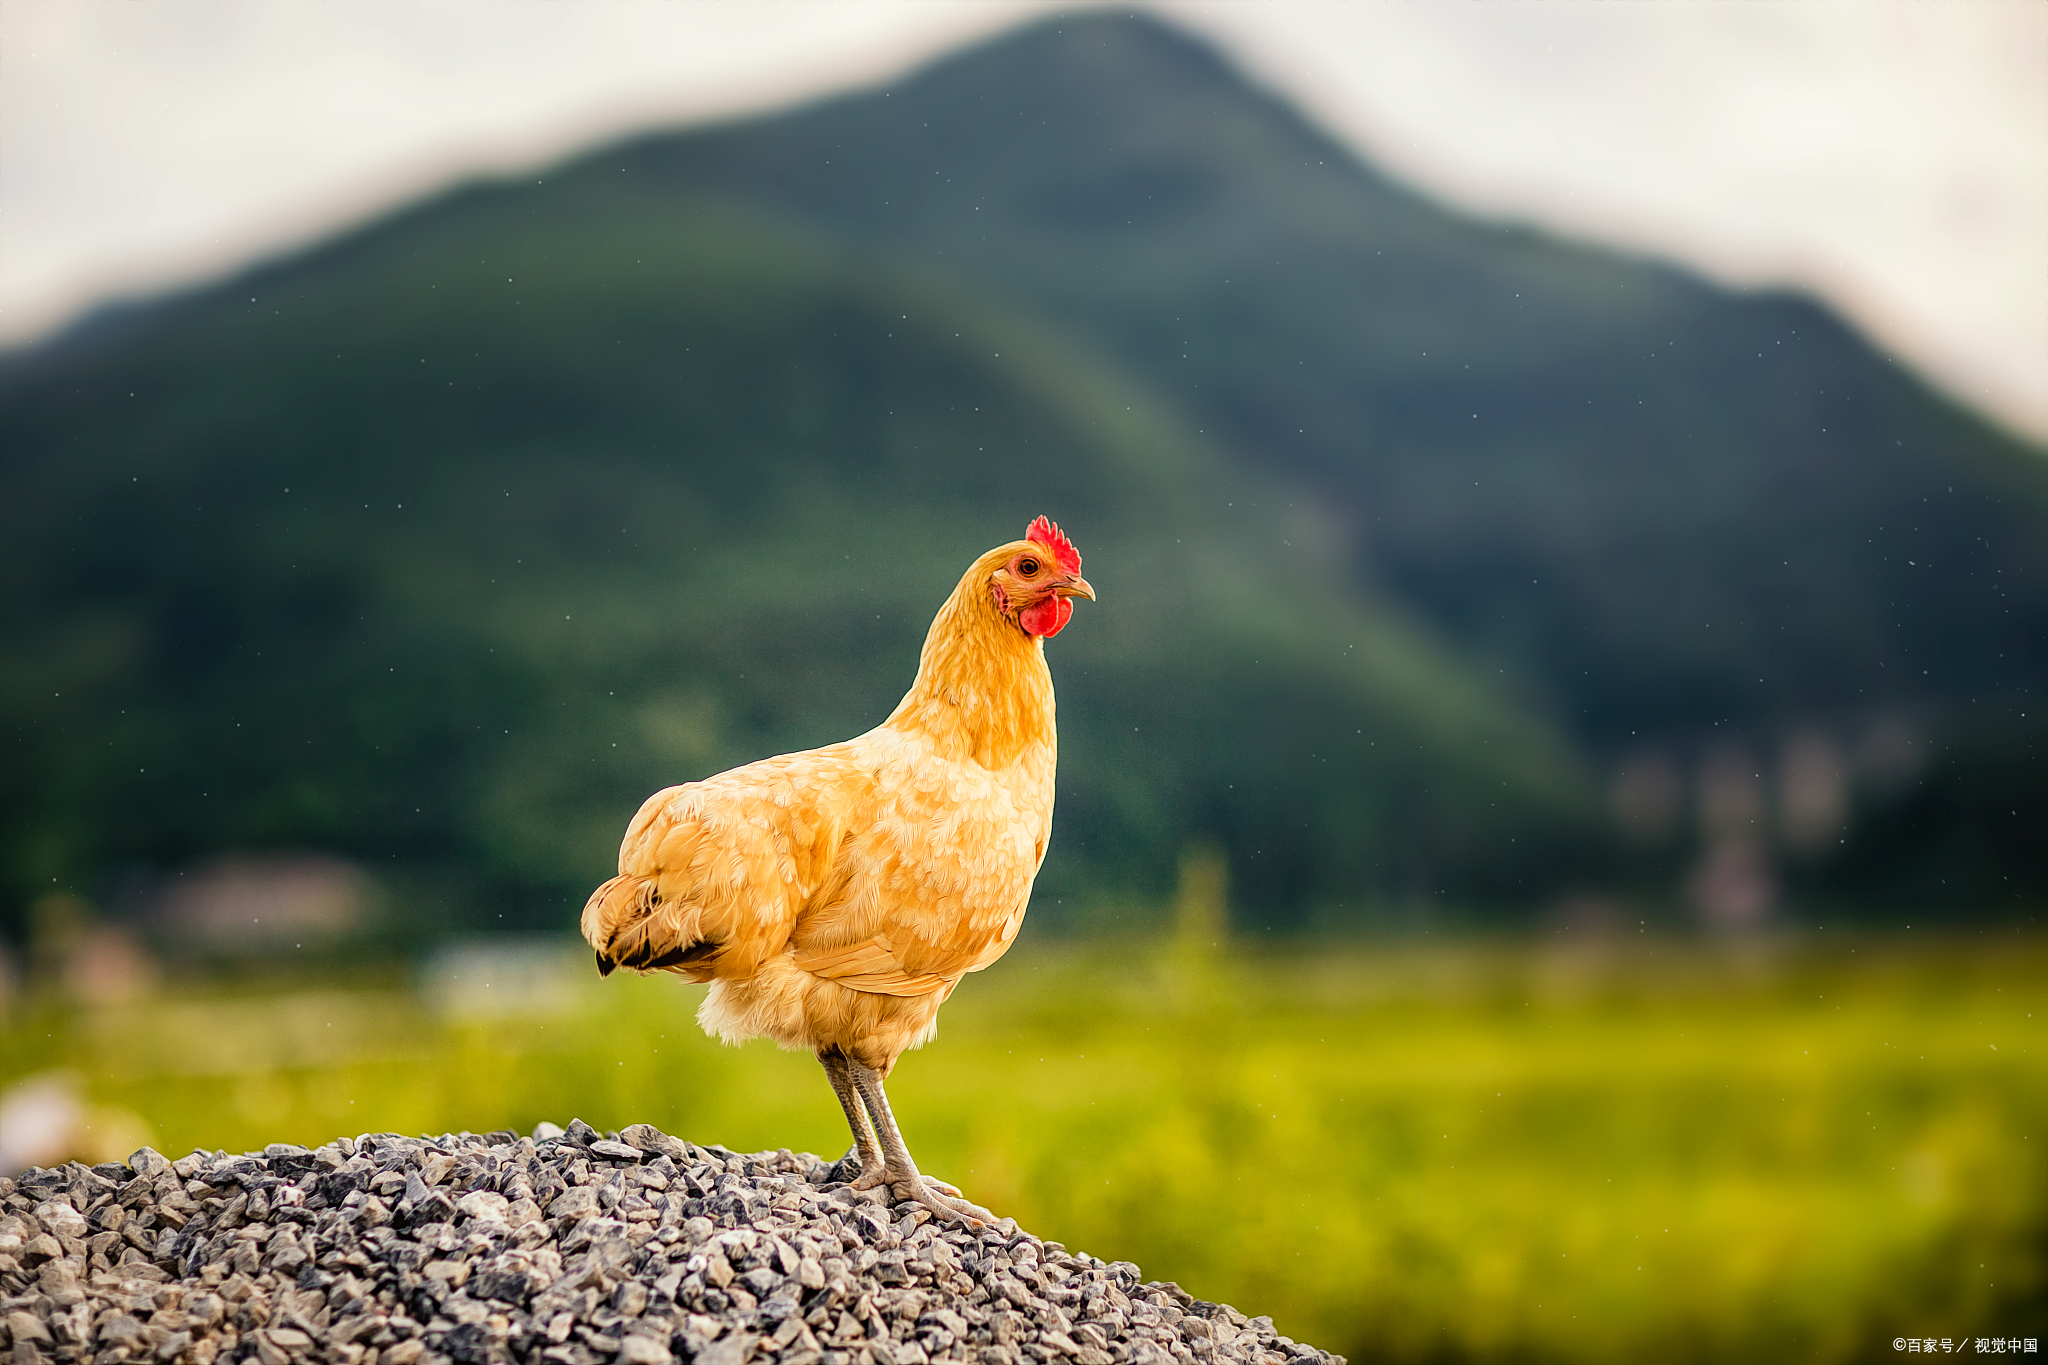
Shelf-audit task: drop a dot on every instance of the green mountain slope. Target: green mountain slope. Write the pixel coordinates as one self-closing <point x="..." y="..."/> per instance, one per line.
<point x="444" y="545"/>
<point x="1697" y="528"/>
<point x="1667" y="506"/>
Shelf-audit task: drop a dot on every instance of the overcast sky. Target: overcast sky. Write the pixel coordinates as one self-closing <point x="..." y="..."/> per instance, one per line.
<point x="1889" y="155"/>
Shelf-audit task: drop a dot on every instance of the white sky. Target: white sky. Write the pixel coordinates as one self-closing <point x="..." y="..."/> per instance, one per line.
<point x="1890" y="155"/>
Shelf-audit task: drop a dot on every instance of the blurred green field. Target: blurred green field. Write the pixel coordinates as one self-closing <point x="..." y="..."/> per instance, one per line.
<point x="1599" y="1151"/>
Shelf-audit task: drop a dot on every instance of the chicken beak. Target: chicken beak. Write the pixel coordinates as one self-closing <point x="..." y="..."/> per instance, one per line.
<point x="1075" y="586"/>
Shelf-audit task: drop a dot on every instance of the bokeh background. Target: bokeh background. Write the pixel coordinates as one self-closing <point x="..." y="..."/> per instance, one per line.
<point x="1550" y="849"/>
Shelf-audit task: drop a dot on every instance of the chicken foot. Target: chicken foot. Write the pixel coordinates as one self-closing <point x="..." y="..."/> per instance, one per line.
<point x="895" y="1168"/>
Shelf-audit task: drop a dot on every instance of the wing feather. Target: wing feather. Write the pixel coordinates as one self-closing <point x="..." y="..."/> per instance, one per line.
<point x="829" y="855"/>
<point x="871" y="965"/>
<point x="713" y="874"/>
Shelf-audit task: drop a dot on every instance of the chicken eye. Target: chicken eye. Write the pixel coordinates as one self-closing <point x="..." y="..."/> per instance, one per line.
<point x="1027" y="567"/>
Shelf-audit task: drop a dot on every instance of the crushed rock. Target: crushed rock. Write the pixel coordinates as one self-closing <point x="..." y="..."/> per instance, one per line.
<point x="569" y="1247"/>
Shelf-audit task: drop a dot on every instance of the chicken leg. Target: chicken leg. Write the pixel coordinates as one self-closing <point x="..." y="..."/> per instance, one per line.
<point x="874" y="1170"/>
<point x="871" y="1164"/>
<point x="885" y="1160"/>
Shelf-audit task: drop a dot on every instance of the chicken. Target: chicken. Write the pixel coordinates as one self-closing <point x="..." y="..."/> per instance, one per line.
<point x="834" y="898"/>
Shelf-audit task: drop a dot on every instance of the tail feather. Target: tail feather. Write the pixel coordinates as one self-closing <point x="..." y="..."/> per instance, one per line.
<point x="629" y="925"/>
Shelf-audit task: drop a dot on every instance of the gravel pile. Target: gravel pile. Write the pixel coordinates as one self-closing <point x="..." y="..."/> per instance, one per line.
<point x="568" y="1247"/>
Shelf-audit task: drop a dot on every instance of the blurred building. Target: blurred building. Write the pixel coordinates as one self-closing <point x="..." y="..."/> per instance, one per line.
<point x="256" y="904"/>
<point x="85" y="958"/>
<point x="109" y="967"/>
<point x="1746" y="808"/>
<point x="1649" y="795"/>
<point x="493" y="978"/>
<point x="1813" y="793"/>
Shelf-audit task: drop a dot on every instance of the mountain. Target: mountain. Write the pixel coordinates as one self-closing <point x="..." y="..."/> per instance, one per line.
<point x="1645" y="492"/>
<point x="1700" y="529"/>
<point x="443" y="545"/>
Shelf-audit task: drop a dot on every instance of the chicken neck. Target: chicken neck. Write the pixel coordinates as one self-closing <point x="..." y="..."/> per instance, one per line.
<point x="983" y="691"/>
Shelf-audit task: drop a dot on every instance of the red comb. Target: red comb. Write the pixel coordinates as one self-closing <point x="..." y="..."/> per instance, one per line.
<point x="1043" y="532"/>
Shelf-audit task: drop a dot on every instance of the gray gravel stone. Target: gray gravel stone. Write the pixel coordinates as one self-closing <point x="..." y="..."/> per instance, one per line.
<point x="570" y="1247"/>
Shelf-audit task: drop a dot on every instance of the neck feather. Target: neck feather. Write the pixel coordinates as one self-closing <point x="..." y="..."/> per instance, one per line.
<point x="982" y="690"/>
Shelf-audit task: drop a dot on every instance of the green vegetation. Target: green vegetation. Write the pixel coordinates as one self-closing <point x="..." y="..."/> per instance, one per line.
<point x="1616" y="1150"/>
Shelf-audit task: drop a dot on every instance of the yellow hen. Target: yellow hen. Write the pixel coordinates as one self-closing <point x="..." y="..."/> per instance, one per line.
<point x="834" y="898"/>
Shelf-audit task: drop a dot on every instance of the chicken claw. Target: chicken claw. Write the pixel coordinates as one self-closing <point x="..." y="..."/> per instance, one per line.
<point x="951" y="1210"/>
<point x="895" y="1168"/>
<point x="934" y="1194"/>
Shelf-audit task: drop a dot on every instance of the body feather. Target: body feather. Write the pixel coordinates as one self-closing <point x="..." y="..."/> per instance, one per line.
<point x="833" y="898"/>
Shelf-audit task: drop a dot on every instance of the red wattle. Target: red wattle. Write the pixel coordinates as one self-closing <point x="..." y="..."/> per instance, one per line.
<point x="1047" y="618"/>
